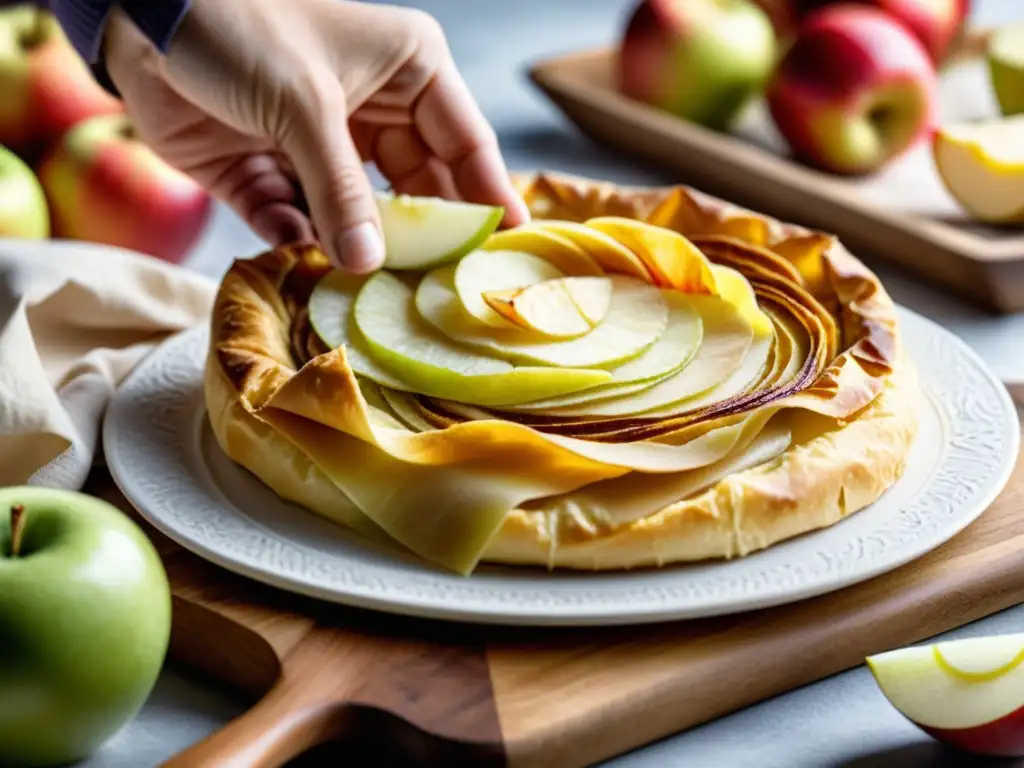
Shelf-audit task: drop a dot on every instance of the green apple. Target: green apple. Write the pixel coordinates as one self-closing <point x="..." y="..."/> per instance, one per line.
<point x="85" y="616"/>
<point x="23" y="210"/>
<point x="1006" y="67"/>
<point x="422" y="232"/>
<point x="702" y="60"/>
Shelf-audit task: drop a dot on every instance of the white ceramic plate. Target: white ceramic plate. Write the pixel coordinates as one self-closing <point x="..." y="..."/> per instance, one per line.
<point x="163" y="456"/>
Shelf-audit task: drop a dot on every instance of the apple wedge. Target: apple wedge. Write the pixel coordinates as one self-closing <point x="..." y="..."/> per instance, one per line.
<point x="422" y="232"/>
<point x="982" y="167"/>
<point x="435" y="366"/>
<point x="562" y="308"/>
<point x="967" y="693"/>
<point x="637" y="316"/>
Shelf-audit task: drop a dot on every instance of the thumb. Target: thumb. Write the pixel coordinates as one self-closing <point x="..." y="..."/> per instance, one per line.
<point x="335" y="184"/>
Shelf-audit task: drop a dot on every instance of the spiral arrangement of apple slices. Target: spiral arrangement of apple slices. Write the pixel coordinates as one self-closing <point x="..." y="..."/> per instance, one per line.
<point x="611" y="330"/>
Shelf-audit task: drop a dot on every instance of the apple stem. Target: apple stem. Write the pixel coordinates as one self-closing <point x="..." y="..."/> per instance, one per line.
<point x="18" y="518"/>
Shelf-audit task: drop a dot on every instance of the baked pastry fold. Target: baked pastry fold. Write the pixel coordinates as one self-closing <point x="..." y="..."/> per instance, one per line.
<point x="584" y="485"/>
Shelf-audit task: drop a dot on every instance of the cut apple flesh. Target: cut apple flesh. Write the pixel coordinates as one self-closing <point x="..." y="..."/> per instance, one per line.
<point x="674" y="349"/>
<point x="607" y="252"/>
<point x="636" y="317"/>
<point x="982" y="167"/>
<point x="422" y="232"/>
<point x="562" y="308"/>
<point x="559" y="251"/>
<point x="484" y="272"/>
<point x="433" y="365"/>
<point x="919" y="682"/>
<point x="982" y="659"/>
<point x="725" y="342"/>
<point x="734" y="288"/>
<point x="674" y="261"/>
<point x="330" y="313"/>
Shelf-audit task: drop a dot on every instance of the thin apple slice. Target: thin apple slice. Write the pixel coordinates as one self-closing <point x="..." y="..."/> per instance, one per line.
<point x="423" y="232"/>
<point x="737" y="290"/>
<point x="636" y="318"/>
<point x="609" y="253"/>
<point x="726" y="340"/>
<point x="433" y="365"/>
<point x="674" y="261"/>
<point x="562" y="308"/>
<point x="560" y="251"/>
<point x="982" y="167"/>
<point x="483" y="272"/>
<point x="330" y="313"/>
<point x="673" y="350"/>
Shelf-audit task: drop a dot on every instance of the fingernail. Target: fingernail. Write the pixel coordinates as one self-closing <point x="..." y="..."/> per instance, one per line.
<point x="360" y="249"/>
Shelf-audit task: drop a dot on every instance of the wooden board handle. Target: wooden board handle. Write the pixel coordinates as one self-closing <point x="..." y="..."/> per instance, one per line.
<point x="308" y="706"/>
<point x="279" y="728"/>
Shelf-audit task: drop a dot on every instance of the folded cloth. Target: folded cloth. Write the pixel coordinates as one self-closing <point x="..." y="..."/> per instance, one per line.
<point x="75" y="318"/>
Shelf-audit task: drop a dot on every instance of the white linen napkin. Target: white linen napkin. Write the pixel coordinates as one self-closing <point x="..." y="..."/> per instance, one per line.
<point x="75" y="318"/>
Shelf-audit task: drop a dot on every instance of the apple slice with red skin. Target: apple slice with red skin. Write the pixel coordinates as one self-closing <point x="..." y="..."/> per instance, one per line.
<point x="966" y="693"/>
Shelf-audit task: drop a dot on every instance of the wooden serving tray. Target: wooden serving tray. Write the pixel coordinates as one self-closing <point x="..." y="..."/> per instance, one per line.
<point x="407" y="692"/>
<point x="902" y="215"/>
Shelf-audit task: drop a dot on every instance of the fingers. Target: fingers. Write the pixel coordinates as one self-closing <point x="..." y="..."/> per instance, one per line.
<point x="341" y="204"/>
<point x="455" y="130"/>
<point x="259" y="190"/>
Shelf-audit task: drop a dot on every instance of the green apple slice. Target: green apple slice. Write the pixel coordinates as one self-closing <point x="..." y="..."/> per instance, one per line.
<point x="673" y="349"/>
<point x="433" y="365"/>
<point x="636" y="318"/>
<point x="422" y="232"/>
<point x="562" y="308"/>
<point x="1006" y="68"/>
<point x="483" y="272"/>
<point x="330" y="313"/>
<point x="726" y="342"/>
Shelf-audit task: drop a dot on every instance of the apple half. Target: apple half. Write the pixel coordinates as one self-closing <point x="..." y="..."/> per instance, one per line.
<point x="422" y="232"/>
<point x="982" y="167"/>
<point x="966" y="693"/>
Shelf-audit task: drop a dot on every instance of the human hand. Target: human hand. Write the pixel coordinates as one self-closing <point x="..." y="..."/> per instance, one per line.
<point x="254" y="97"/>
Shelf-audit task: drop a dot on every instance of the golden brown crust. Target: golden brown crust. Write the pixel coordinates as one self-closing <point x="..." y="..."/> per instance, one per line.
<point x="258" y="340"/>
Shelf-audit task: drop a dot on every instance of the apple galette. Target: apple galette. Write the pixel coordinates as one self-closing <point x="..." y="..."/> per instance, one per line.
<point x="638" y="377"/>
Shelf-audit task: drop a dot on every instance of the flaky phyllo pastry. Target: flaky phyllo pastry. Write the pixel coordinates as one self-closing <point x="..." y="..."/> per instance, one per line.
<point x="636" y="378"/>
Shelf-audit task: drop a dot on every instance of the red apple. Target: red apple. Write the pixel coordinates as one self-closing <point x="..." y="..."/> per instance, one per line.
<point x="701" y="60"/>
<point x="45" y="87"/>
<point x="936" y="23"/>
<point x="967" y="693"/>
<point x="854" y="91"/>
<point x="104" y="185"/>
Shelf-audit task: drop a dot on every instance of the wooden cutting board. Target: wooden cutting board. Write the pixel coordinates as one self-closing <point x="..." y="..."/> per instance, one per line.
<point x="399" y="691"/>
<point x="902" y="216"/>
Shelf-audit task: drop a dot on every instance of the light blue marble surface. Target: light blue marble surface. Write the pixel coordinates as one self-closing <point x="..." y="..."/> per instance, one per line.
<point x="841" y="722"/>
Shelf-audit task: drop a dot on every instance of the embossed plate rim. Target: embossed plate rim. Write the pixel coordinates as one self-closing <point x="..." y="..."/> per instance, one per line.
<point x="152" y="470"/>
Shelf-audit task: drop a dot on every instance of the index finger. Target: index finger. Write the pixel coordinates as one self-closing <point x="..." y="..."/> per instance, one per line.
<point x="452" y="126"/>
